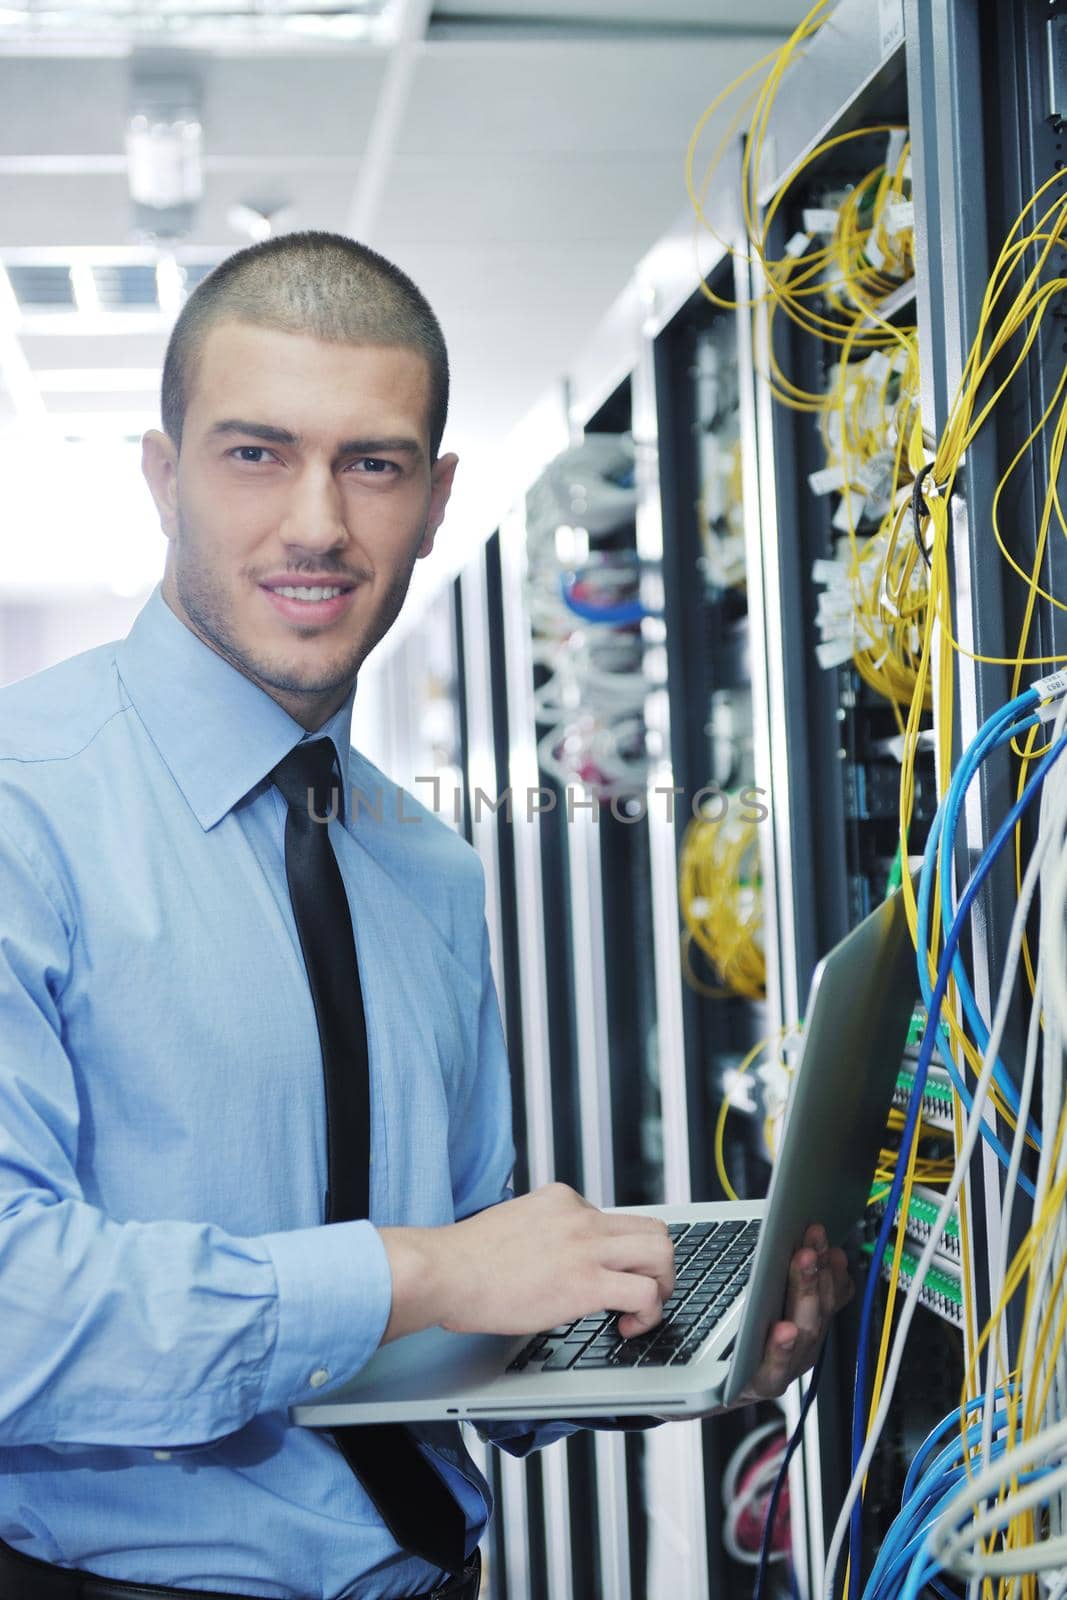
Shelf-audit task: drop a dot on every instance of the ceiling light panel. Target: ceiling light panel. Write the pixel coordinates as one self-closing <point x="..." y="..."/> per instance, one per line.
<point x="197" y="22"/>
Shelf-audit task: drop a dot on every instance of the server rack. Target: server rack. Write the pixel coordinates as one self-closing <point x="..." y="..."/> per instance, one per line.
<point x="977" y="86"/>
<point x="957" y="75"/>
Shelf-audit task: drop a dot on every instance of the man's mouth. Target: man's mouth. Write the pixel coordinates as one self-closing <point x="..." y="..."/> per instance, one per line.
<point x="311" y="602"/>
<point x="302" y="592"/>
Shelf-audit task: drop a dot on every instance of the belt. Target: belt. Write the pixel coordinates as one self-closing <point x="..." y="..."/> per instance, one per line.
<point x="25" y="1578"/>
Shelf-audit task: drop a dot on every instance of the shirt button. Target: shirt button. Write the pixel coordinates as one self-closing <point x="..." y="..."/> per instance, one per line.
<point x="319" y="1377"/>
<point x="161" y="1455"/>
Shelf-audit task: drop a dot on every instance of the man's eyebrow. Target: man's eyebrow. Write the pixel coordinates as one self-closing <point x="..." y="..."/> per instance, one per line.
<point x="255" y="430"/>
<point x="373" y="447"/>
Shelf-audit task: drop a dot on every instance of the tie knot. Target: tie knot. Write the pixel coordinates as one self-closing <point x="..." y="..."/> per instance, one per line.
<point x="305" y="779"/>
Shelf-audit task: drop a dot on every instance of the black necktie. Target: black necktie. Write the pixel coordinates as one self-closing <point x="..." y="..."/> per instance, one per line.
<point x="412" y="1499"/>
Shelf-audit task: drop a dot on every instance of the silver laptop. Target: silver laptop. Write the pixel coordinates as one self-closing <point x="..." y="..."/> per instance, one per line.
<point x="731" y="1258"/>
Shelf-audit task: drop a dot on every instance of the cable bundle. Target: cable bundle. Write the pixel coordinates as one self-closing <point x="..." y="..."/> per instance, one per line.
<point x="1002" y="1522"/>
<point x="721" y="897"/>
<point x="832" y="281"/>
<point x="954" y="1541"/>
<point x="720" y="507"/>
<point x="872" y="607"/>
<point x="990" y="1506"/>
<point x="585" y="611"/>
<point x="747" y="1481"/>
<point x="873" y="603"/>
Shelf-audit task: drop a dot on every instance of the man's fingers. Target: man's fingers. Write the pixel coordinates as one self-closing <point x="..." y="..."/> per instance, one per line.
<point x="633" y="1222"/>
<point x="637" y="1298"/>
<point x="779" y="1365"/>
<point x="819" y="1285"/>
<point x="803" y="1304"/>
<point x="835" y="1286"/>
<point x="648" y="1254"/>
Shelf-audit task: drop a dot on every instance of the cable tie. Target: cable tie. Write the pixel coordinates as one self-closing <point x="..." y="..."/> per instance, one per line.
<point x="919" y="508"/>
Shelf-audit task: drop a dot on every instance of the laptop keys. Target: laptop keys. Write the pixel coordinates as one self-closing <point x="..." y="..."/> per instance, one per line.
<point x="712" y="1262"/>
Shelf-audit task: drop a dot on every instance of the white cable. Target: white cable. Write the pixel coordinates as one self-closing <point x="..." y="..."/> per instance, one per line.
<point x="732" y="1470"/>
<point x="949" y="1545"/>
<point x="1053" y="818"/>
<point x="970" y="1140"/>
<point x="1011" y="1195"/>
<point x="1052" y="934"/>
<point x="997" y="1285"/>
<point x="1051" y="1113"/>
<point x="761" y="1484"/>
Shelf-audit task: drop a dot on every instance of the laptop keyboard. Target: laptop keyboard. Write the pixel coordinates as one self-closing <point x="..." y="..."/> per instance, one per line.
<point x="712" y="1261"/>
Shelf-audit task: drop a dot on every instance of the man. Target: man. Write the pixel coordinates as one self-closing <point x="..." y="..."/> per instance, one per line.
<point x="168" y="1288"/>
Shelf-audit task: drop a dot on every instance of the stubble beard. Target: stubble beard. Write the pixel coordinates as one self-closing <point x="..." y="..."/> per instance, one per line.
<point x="208" y="609"/>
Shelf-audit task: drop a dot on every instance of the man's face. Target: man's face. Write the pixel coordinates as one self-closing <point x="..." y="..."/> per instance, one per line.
<point x="303" y="463"/>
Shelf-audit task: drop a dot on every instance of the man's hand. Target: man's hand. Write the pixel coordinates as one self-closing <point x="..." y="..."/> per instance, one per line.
<point x="819" y="1286"/>
<point x="528" y="1264"/>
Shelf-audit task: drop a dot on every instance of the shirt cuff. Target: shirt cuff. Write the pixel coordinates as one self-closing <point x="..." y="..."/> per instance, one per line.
<point x="335" y="1292"/>
<point x="519" y="1438"/>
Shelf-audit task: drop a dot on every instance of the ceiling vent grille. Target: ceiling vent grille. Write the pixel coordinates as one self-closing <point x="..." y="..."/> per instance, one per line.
<point x="40" y="288"/>
<point x="117" y="286"/>
<point x="122" y="288"/>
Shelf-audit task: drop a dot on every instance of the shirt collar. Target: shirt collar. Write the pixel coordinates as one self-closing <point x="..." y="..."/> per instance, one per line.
<point x="219" y="733"/>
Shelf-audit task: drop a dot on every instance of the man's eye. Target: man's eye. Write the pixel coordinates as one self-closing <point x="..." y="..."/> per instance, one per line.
<point x="252" y="454"/>
<point x="376" y="466"/>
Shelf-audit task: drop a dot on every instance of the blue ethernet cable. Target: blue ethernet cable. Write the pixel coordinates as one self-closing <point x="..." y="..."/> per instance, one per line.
<point x="997" y="731"/>
<point x="919" y="1468"/>
<point x="999" y="726"/>
<point x="928" y="1486"/>
<point x="921" y="1502"/>
<point x="623" y="614"/>
<point x="961" y="781"/>
<point x="926" y="1050"/>
<point x="924" y="1567"/>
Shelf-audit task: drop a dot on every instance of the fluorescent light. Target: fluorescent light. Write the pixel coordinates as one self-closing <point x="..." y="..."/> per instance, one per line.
<point x="99" y="380"/>
<point x="199" y="22"/>
<point x="170" y="285"/>
<point x="84" y="285"/>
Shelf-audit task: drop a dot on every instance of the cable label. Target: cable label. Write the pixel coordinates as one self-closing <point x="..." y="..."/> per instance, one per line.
<point x="1054" y="684"/>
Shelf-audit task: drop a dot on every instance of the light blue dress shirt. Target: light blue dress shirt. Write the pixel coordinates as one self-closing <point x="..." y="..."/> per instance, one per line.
<point x="167" y="1287"/>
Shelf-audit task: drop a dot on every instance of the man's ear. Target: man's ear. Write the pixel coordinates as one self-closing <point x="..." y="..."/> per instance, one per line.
<point x="159" y="463"/>
<point x="442" y="474"/>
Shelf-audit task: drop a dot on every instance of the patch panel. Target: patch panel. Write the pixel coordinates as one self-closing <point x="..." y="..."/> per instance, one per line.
<point x="942" y="1290"/>
<point x="922" y="1212"/>
<point x="937" y="1095"/>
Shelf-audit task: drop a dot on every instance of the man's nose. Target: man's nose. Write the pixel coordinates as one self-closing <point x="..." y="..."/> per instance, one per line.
<point x="315" y="511"/>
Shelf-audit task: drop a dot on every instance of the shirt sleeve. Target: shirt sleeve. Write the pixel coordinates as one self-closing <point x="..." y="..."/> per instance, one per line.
<point x="483" y="1158"/>
<point x="141" y="1333"/>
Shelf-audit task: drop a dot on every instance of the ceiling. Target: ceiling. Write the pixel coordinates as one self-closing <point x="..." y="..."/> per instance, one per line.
<point x="515" y="160"/>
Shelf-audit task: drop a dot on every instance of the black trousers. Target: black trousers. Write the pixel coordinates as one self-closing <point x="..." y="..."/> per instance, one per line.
<point x="26" y="1578"/>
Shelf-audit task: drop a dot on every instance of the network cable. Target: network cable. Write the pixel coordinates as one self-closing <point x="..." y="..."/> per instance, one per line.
<point x="846" y="1523"/>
